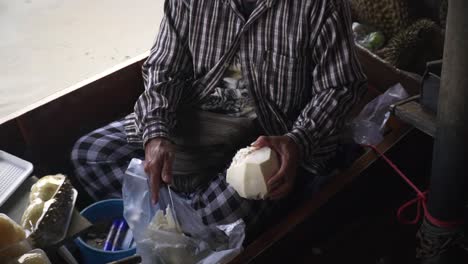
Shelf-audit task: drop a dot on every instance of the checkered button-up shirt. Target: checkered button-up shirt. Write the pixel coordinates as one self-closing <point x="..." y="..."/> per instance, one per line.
<point x="297" y="56"/>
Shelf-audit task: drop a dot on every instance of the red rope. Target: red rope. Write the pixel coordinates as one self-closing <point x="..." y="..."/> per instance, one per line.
<point x="419" y="201"/>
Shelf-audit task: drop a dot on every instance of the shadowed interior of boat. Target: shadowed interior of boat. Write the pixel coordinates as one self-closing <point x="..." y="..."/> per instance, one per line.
<point x="46" y="135"/>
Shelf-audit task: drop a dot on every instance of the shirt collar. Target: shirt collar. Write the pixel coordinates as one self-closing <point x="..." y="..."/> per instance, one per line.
<point x="262" y="5"/>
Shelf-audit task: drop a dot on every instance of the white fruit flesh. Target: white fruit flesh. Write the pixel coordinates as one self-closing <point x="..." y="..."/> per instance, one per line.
<point x="164" y="220"/>
<point x="10" y="232"/>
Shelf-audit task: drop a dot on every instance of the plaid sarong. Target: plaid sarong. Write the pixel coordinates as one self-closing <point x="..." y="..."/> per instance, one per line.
<point x="101" y="158"/>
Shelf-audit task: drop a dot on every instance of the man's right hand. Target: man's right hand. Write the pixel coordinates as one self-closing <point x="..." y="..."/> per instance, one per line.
<point x="159" y="156"/>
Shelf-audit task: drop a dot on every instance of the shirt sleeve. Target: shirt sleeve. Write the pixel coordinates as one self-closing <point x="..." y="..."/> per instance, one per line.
<point x="337" y="80"/>
<point x="166" y="73"/>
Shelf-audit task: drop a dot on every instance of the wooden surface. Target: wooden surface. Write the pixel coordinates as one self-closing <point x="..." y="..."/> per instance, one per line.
<point x="382" y="75"/>
<point x="413" y="113"/>
<point x="17" y="203"/>
<point x="51" y="130"/>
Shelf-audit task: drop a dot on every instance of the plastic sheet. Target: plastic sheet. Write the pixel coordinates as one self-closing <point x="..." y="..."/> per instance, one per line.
<point x="197" y="243"/>
<point x="368" y="37"/>
<point x="368" y="126"/>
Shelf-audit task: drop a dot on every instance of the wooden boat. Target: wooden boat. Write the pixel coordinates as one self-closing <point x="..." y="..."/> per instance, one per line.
<point x="45" y="135"/>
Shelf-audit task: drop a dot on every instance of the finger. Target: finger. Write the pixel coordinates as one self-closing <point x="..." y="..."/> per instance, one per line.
<point x="146" y="166"/>
<point x="274" y="186"/>
<point x="261" y="142"/>
<point x="277" y="178"/>
<point x="278" y="196"/>
<point x="155" y="176"/>
<point x="280" y="174"/>
<point x="285" y="188"/>
<point x="280" y="192"/>
<point x="167" y="168"/>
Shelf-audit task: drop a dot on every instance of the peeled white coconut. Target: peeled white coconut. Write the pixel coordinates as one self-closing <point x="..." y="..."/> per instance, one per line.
<point x="250" y="169"/>
<point x="10" y="232"/>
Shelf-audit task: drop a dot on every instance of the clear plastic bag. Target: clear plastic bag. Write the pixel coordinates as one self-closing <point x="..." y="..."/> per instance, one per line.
<point x="197" y="244"/>
<point x="367" y="127"/>
<point x="368" y="37"/>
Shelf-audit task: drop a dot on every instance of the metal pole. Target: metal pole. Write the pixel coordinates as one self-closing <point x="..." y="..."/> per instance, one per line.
<point x="449" y="180"/>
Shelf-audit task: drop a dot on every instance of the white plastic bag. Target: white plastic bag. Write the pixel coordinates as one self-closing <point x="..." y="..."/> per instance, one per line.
<point x="367" y="127"/>
<point x="197" y="244"/>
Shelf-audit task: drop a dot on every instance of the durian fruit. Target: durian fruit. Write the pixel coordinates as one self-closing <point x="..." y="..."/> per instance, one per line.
<point x="10" y="231"/>
<point x="388" y="16"/>
<point x="52" y="226"/>
<point x="46" y="187"/>
<point x="32" y="214"/>
<point x="35" y="256"/>
<point x="42" y="191"/>
<point x="413" y="47"/>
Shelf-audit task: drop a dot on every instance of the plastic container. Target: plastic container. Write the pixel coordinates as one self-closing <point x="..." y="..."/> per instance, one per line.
<point x="54" y="235"/>
<point x="13" y="171"/>
<point x="97" y="212"/>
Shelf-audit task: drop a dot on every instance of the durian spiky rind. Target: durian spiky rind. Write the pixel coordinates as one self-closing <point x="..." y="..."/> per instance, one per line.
<point x="411" y="48"/>
<point x="388" y="16"/>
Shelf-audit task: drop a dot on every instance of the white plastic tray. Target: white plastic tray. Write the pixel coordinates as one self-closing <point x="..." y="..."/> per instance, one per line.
<point x="13" y="171"/>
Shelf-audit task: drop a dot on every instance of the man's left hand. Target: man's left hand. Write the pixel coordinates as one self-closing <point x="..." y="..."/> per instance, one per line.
<point x="282" y="183"/>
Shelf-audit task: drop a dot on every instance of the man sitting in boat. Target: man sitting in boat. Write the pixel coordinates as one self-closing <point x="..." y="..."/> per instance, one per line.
<point x="288" y="66"/>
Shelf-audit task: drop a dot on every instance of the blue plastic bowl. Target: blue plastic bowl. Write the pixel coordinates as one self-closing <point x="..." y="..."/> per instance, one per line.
<point x="102" y="211"/>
